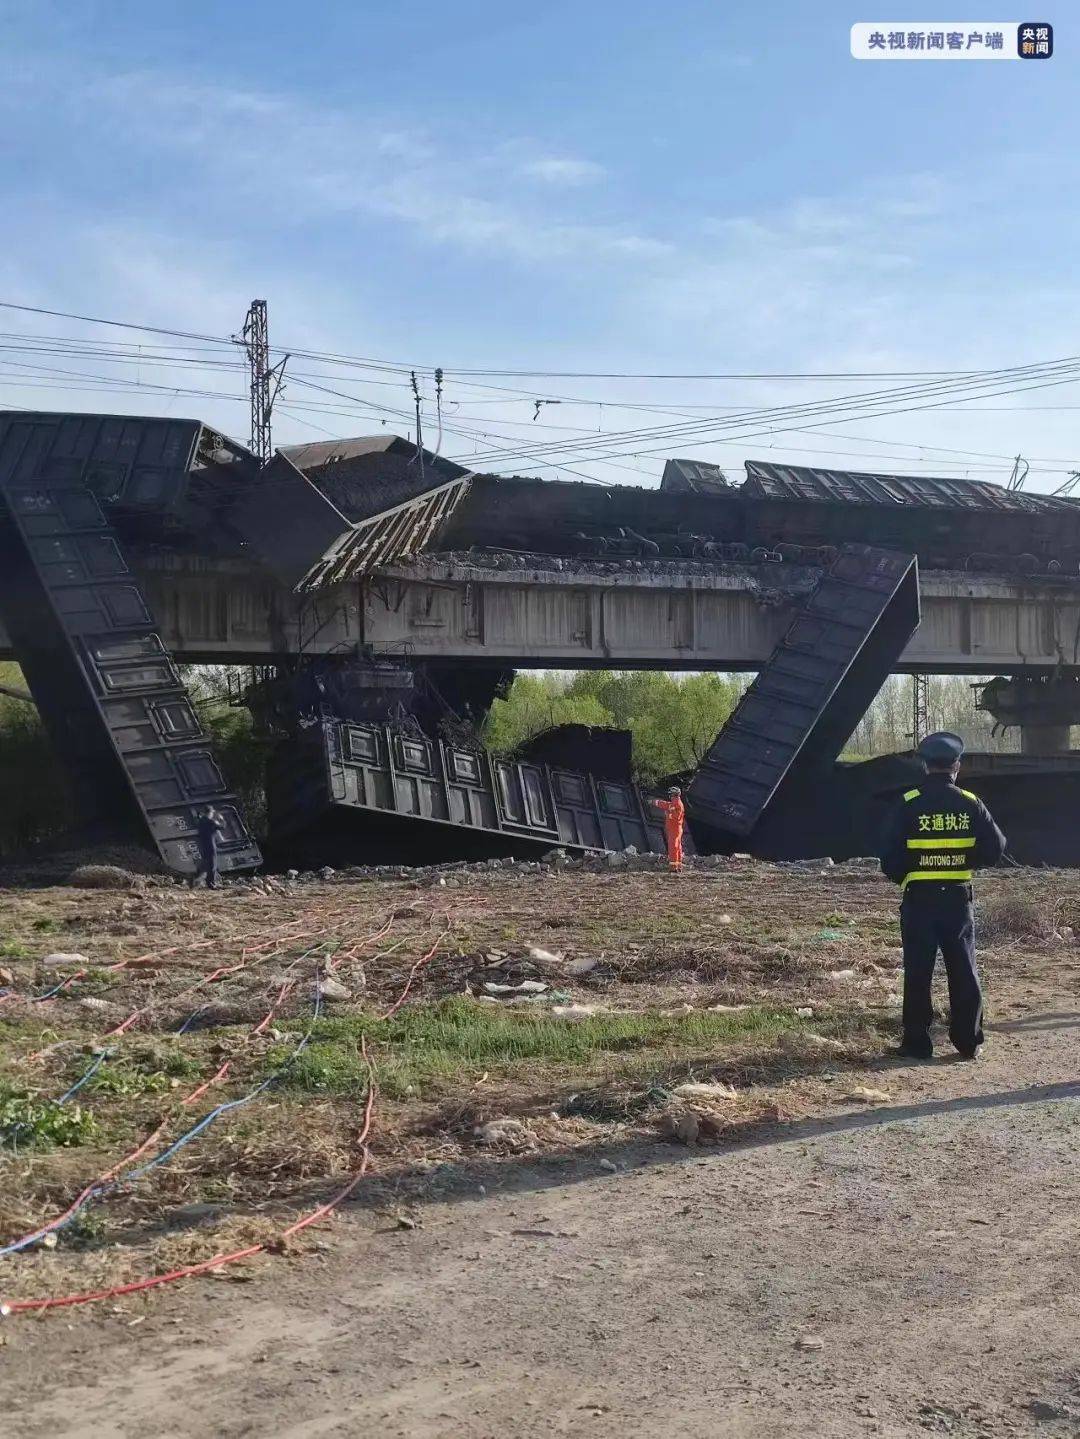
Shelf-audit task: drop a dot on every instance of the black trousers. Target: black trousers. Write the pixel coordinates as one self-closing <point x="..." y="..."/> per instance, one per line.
<point x="208" y="866"/>
<point x="937" y="917"/>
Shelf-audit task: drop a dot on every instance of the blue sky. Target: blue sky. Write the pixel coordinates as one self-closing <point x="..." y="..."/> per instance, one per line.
<point x="691" y="188"/>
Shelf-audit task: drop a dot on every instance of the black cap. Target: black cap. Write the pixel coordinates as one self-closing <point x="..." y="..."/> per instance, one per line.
<point x="942" y="748"/>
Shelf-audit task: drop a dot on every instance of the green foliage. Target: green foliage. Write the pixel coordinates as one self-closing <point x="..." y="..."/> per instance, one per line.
<point x="241" y="754"/>
<point x="673" y="719"/>
<point x="125" y="1079"/>
<point x="29" y="1123"/>
<point x="149" y="1067"/>
<point x="34" y="802"/>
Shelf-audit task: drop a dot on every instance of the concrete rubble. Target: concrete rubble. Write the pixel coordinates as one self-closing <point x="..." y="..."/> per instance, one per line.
<point x="455" y="873"/>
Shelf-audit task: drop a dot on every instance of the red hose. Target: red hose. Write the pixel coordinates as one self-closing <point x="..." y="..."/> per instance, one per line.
<point x="22" y="1306"/>
<point x="219" y="1261"/>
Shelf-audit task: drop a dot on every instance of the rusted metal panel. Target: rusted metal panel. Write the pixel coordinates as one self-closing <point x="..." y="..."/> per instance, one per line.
<point x="837" y="652"/>
<point x="85" y="635"/>
<point x="392" y="774"/>
<point x="853" y="487"/>
<point x="396" y="534"/>
<point x="302" y="536"/>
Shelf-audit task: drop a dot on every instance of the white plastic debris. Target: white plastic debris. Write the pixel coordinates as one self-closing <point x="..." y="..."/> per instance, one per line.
<point x="822" y="1041"/>
<point x="700" y="1089"/>
<point x="62" y="959"/>
<point x="575" y="1011"/>
<point x="545" y="956"/>
<point x="330" y="988"/>
<point x="527" y="986"/>
<point x="585" y="965"/>
<point x="502" y="1131"/>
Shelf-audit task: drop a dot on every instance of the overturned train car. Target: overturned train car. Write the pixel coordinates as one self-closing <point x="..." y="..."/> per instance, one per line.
<point x="377" y="793"/>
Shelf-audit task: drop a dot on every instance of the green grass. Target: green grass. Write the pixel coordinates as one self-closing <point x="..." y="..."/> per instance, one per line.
<point x="125" y="1079"/>
<point x="29" y="1123"/>
<point x="12" y="949"/>
<point x="95" y="981"/>
<point x="459" y="1039"/>
<point x="147" y="1069"/>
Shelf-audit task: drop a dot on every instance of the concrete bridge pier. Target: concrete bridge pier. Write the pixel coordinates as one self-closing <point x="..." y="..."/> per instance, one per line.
<point x="1045" y="738"/>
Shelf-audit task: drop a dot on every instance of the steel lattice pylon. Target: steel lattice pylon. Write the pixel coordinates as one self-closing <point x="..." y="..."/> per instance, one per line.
<point x="265" y="381"/>
<point x="920" y="708"/>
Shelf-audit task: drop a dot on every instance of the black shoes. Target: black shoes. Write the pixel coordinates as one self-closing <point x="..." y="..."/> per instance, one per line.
<point x="908" y="1051"/>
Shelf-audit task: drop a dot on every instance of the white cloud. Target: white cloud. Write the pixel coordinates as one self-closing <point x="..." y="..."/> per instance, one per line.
<point x="563" y="171"/>
<point x="288" y="156"/>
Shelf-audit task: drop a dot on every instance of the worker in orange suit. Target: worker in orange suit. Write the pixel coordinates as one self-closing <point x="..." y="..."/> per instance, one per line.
<point x="674" y="823"/>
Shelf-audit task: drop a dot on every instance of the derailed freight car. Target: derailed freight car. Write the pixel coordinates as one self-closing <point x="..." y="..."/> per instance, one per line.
<point x="779" y="512"/>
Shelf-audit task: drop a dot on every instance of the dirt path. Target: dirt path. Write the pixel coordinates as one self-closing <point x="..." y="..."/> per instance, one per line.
<point x="896" y="1270"/>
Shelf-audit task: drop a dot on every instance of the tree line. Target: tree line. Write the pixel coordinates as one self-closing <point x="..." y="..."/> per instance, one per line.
<point x="672" y="719"/>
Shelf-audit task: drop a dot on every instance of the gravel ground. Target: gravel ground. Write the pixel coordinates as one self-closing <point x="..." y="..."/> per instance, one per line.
<point x="899" y="1269"/>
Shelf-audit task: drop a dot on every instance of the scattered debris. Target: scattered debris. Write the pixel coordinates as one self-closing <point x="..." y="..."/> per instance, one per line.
<point x="585" y="965"/>
<point x="527" y="986"/>
<point x="543" y="957"/>
<point x="330" y="988"/>
<point x="608" y="1166"/>
<point x="61" y="959"/>
<point x="712" y="1089"/>
<point x="101" y="876"/>
<point x="865" y="1095"/>
<point x="503" y="1131"/>
<point x="685" y="1126"/>
<point x="810" y="1341"/>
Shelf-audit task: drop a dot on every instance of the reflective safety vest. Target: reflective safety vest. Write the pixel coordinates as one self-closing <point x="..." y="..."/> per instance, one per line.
<point x="941" y="836"/>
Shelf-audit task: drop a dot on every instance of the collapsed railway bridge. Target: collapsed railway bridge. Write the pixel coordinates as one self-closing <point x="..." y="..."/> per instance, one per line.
<point x="386" y="596"/>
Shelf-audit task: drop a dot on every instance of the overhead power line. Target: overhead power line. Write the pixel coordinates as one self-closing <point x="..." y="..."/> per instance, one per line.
<point x="840" y="406"/>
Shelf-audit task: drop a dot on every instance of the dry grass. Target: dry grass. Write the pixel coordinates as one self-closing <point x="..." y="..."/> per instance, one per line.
<point x="669" y="948"/>
<point x="1016" y="916"/>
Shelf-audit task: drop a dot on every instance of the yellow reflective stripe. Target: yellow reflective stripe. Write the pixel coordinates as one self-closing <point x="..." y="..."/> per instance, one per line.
<point x="968" y="794"/>
<point x="942" y="876"/>
<point x="911" y="794"/>
<point x="940" y="843"/>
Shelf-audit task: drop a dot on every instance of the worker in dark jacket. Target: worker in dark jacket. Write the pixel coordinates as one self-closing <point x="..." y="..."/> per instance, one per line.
<point x="937" y="837"/>
<point x="208" y="830"/>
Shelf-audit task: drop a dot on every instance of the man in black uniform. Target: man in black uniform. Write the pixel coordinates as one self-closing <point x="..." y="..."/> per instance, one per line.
<point x="208" y="830"/>
<point x="937" y="837"/>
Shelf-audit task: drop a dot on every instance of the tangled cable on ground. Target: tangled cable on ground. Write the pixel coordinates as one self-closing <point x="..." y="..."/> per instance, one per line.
<point x="220" y="1261"/>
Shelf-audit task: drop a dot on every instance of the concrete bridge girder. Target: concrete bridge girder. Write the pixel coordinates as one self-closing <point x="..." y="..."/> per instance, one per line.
<point x="975" y="625"/>
<point x="224" y="611"/>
